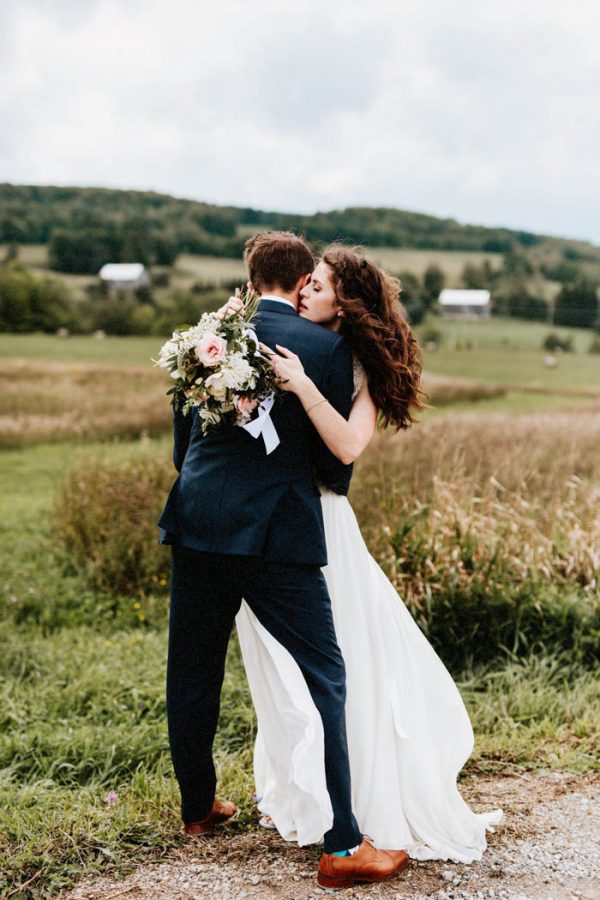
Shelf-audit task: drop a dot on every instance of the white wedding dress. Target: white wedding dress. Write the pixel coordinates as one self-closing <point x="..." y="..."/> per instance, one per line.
<point x="409" y="733"/>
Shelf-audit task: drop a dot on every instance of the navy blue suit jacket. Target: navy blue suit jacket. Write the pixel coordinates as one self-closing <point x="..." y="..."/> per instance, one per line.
<point x="230" y="497"/>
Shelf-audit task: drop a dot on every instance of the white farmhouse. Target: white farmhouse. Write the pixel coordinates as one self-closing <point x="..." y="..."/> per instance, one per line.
<point x="465" y="304"/>
<point x="124" y="276"/>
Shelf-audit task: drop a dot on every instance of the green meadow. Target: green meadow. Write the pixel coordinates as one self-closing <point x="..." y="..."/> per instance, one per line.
<point x="503" y="351"/>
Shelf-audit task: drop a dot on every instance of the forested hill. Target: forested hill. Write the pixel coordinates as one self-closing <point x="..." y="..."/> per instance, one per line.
<point x="85" y="227"/>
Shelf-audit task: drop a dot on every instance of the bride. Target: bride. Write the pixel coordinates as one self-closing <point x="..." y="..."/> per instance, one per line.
<point x="409" y="734"/>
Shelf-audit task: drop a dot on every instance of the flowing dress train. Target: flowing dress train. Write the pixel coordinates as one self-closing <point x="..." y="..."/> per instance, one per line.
<point x="409" y="733"/>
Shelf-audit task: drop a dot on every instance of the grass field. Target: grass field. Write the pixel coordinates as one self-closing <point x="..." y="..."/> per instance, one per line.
<point x="110" y="389"/>
<point x="484" y="362"/>
<point x="523" y="368"/>
<point x="81" y="677"/>
<point x="503" y="336"/>
<point x="507" y="334"/>
<point x="80" y="387"/>
<point x="120" y="351"/>
<point x="485" y="519"/>
<point x="509" y="352"/>
<point x="89" y="388"/>
<point x="80" y="400"/>
<point x="451" y="262"/>
<point x="211" y="269"/>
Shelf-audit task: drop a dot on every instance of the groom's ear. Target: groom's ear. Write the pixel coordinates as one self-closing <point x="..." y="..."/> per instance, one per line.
<point x="301" y="283"/>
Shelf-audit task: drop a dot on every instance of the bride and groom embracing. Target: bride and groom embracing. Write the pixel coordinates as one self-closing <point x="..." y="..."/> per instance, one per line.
<point x="361" y="730"/>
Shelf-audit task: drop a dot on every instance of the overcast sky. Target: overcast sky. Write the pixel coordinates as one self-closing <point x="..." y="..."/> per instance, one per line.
<point x="484" y="111"/>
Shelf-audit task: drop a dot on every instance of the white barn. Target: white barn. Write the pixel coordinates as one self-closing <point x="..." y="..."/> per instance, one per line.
<point x="466" y="304"/>
<point x="124" y="276"/>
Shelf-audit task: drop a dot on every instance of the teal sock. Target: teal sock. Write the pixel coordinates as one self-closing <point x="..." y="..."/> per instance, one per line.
<point x="349" y="852"/>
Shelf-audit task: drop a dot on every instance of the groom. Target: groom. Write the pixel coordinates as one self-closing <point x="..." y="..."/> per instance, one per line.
<point x="244" y="524"/>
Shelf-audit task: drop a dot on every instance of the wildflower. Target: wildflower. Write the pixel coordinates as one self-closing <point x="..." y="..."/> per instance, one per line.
<point x="111" y="798"/>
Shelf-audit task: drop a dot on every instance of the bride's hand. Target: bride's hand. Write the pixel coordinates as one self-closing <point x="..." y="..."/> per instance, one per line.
<point x="233" y="306"/>
<point x="288" y="368"/>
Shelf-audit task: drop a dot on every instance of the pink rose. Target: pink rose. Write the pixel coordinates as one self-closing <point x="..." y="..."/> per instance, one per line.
<point x="245" y="406"/>
<point x="210" y="349"/>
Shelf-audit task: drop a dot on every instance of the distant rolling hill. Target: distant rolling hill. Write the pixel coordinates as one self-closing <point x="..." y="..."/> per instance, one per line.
<point x="156" y="227"/>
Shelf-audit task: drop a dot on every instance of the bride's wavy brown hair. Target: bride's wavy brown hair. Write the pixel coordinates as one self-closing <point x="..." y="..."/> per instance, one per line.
<point x="378" y="333"/>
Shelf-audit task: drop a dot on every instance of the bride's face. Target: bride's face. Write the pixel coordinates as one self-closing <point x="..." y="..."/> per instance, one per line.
<point x="318" y="301"/>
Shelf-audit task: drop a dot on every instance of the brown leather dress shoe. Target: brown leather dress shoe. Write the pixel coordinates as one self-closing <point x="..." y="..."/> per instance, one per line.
<point x="220" y="812"/>
<point x="400" y="857"/>
<point x="366" y="865"/>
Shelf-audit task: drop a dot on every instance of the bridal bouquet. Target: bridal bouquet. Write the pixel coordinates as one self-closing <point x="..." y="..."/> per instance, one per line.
<point x="217" y="366"/>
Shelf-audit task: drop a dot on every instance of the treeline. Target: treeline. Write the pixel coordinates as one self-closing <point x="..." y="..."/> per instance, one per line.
<point x="511" y="295"/>
<point x="575" y="306"/>
<point x="385" y="227"/>
<point x="85" y="227"/>
<point x="30" y="303"/>
<point x="85" y="250"/>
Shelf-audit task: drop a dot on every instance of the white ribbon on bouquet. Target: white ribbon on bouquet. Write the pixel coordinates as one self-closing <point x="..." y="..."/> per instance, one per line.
<point x="263" y="424"/>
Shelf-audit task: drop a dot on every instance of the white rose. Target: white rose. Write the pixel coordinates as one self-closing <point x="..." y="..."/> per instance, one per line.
<point x="241" y="371"/>
<point x="217" y="385"/>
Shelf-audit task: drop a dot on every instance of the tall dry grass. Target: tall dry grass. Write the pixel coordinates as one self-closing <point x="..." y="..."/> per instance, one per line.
<point x="443" y="390"/>
<point x="489" y="527"/>
<point x="53" y="401"/>
<point x="105" y="517"/>
<point x="539" y="453"/>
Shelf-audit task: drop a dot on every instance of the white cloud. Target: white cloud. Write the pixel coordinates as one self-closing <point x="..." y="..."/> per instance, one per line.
<point x="486" y="112"/>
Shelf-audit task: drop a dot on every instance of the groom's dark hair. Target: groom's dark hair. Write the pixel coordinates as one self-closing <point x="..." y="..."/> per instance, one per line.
<point x="277" y="259"/>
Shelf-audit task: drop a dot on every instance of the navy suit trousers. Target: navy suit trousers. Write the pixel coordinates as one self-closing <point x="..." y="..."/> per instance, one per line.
<point x="292" y="602"/>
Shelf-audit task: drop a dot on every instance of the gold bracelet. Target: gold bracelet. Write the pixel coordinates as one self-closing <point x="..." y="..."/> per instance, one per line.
<point x="322" y="400"/>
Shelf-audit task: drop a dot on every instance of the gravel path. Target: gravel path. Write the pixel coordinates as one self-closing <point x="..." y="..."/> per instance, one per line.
<point x="547" y="847"/>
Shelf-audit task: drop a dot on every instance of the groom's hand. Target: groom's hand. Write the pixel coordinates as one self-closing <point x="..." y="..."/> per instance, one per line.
<point x="234" y="305"/>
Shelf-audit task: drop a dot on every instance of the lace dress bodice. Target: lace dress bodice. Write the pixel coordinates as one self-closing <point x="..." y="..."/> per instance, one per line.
<point x="358" y="374"/>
